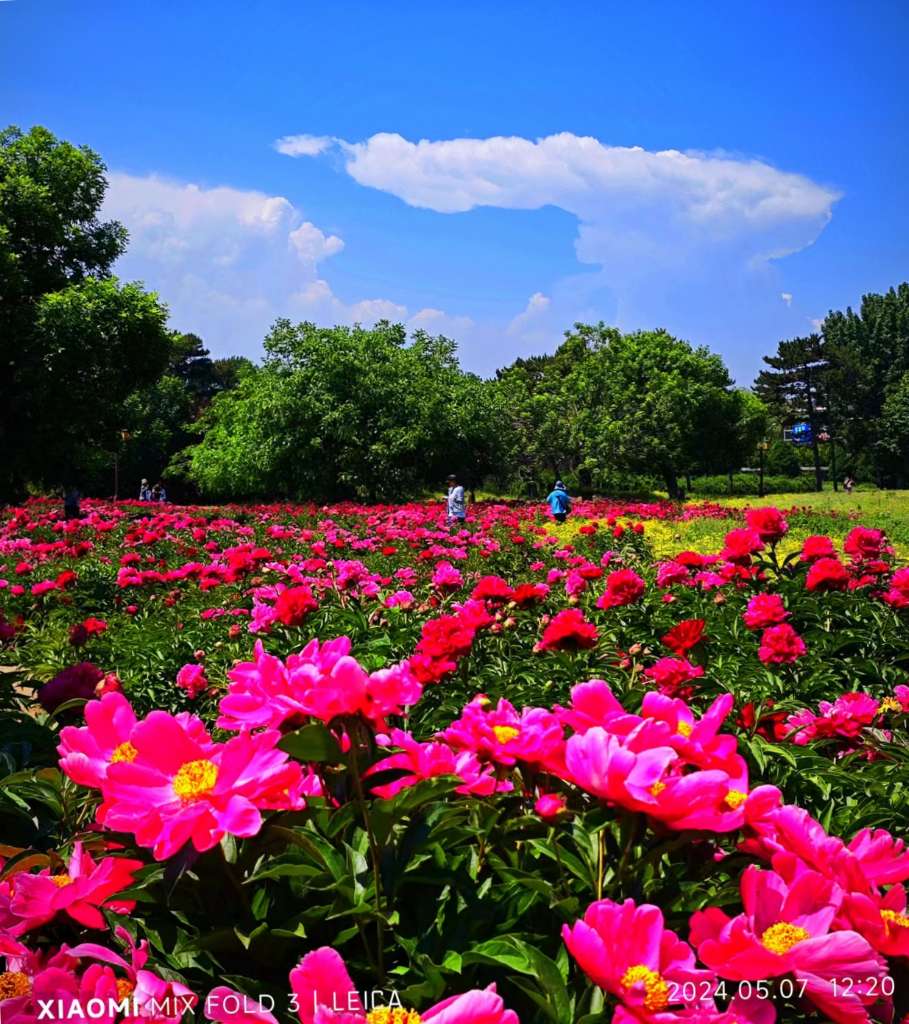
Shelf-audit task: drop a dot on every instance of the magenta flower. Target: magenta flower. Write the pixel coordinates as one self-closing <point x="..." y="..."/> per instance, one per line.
<point x="178" y="790"/>
<point x="765" y="610"/>
<point x="785" y="929"/>
<point x="79" y="893"/>
<point x="627" y="951"/>
<point x="781" y="645"/>
<point x="87" y="751"/>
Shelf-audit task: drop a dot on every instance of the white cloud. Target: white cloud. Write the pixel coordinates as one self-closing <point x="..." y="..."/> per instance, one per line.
<point x="436" y="321"/>
<point x="313" y="245"/>
<point x="683" y="240"/>
<point x="786" y="297"/>
<point x="316" y="301"/>
<point x="303" y="145"/>
<point x="536" y="306"/>
<point x="817" y="324"/>
<point x="228" y="262"/>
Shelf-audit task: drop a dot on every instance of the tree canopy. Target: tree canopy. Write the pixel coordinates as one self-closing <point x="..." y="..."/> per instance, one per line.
<point x="348" y="411"/>
<point x="74" y="343"/>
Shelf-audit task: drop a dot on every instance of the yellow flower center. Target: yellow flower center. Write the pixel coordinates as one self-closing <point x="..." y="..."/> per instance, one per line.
<point x="657" y="788"/>
<point x="656" y="991"/>
<point x="396" y="1015"/>
<point x="684" y="728"/>
<point x="889" y="704"/>
<point x="14" y="984"/>
<point x="734" y="798"/>
<point x="891" y="917"/>
<point x="125" y="752"/>
<point x="61" y="880"/>
<point x="125" y="989"/>
<point x="782" y="936"/>
<point x="195" y="778"/>
<point x="504" y="733"/>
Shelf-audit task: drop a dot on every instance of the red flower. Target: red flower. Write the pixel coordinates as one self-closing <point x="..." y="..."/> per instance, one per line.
<point x="862" y="543"/>
<point x="740" y="545"/>
<point x="671" y="676"/>
<point x="623" y="587"/>
<point x="768" y="523"/>
<point x="80" y="633"/>
<point x="527" y="594"/>
<point x="294" y="604"/>
<point x="492" y="589"/>
<point x="781" y="645"/>
<point x="687" y="634"/>
<point x="568" y="631"/>
<point x="817" y="546"/>
<point x="827" y="574"/>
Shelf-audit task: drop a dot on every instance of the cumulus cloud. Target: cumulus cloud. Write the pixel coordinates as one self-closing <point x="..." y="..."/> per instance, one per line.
<point x="711" y="196"/>
<point x="228" y="262"/>
<point x="316" y="301"/>
<point x="664" y="232"/>
<point x="313" y="245"/>
<point x="786" y="297"/>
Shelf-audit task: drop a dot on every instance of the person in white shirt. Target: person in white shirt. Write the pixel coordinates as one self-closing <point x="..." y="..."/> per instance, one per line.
<point x="457" y="503"/>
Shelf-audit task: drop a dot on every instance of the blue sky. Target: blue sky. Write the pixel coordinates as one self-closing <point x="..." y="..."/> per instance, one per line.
<point x="491" y="171"/>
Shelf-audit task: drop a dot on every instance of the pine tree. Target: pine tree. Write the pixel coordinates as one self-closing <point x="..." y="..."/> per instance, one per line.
<point x="795" y="387"/>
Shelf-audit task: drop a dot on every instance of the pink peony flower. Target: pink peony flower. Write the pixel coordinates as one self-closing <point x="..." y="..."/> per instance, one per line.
<point x="87" y="751"/>
<point x="626" y="950"/>
<point x="781" y="645"/>
<point x="79" y="893"/>
<point x="785" y="929"/>
<point x="623" y="587"/>
<point x="191" y="679"/>
<point x="181" y="788"/>
<point x="827" y="574"/>
<point x="765" y="610"/>
<point x="768" y="523"/>
<point x="568" y="631"/>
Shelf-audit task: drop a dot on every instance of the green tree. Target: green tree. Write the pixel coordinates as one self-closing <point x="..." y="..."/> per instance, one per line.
<point x="340" y="411"/>
<point x="796" y="388"/>
<point x="73" y="341"/>
<point x="643" y="400"/>
<point x="542" y="408"/>
<point x="868" y="352"/>
<point x="894" y="431"/>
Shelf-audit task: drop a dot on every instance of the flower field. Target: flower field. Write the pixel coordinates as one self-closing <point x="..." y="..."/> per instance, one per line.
<point x="347" y="764"/>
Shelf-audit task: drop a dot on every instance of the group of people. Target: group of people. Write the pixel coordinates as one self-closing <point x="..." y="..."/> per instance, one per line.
<point x="148" y="493"/>
<point x="558" y="500"/>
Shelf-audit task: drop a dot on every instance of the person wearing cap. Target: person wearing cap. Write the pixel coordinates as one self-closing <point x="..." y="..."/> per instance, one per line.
<point x="457" y="503"/>
<point x="559" y="502"/>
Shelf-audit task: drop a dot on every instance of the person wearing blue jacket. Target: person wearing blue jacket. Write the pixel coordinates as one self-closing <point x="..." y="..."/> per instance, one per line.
<point x="559" y="502"/>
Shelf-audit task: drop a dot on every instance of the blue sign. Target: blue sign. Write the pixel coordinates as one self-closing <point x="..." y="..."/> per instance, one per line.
<point x="801" y="434"/>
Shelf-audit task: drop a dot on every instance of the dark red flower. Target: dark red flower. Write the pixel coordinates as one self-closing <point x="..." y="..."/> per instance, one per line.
<point x="72" y="683"/>
<point x="568" y="631"/>
<point x="687" y="634"/>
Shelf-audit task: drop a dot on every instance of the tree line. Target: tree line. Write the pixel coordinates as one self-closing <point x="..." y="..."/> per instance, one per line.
<point x="97" y="389"/>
